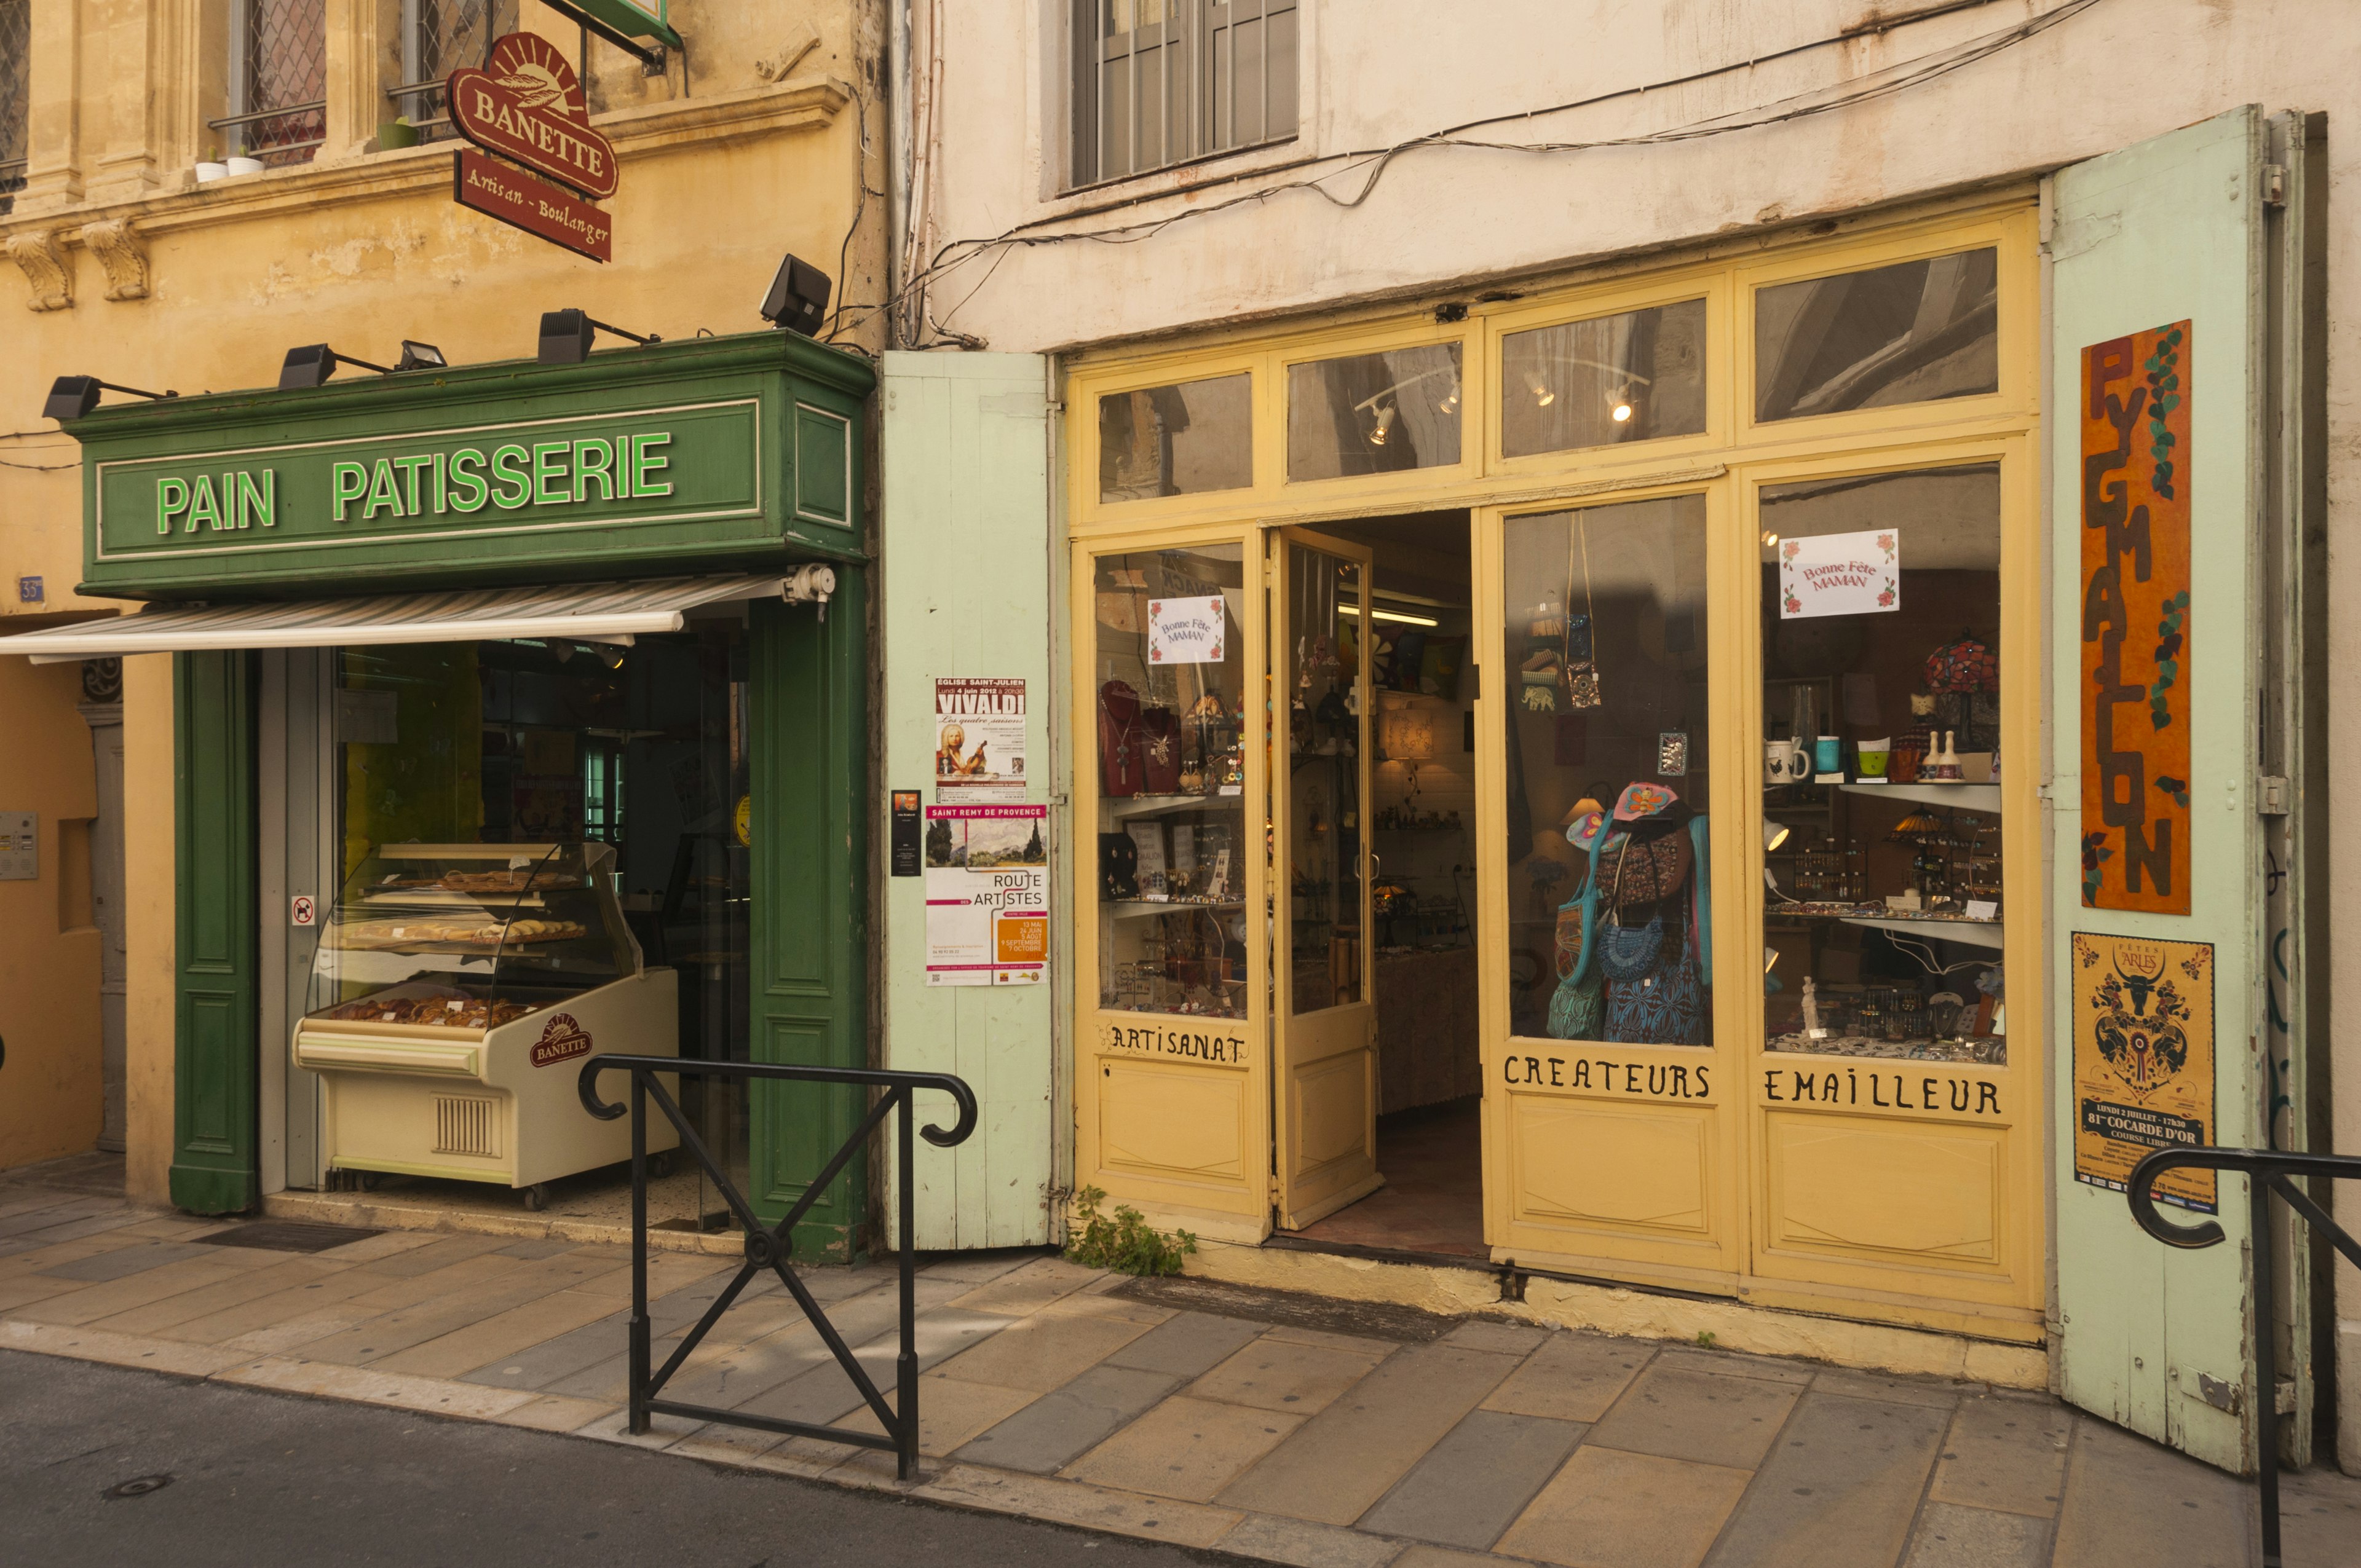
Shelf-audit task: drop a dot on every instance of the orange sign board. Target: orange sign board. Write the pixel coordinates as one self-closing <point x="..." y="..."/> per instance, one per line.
<point x="527" y="105"/>
<point x="2135" y="621"/>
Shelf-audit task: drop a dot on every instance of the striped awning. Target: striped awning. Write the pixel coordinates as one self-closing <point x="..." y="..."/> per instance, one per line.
<point x="588" y="612"/>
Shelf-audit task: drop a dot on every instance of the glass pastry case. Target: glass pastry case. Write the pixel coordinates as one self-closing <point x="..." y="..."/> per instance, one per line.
<point x="455" y="991"/>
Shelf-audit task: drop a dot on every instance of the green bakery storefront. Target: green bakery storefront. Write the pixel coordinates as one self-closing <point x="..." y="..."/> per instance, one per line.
<point x="519" y="712"/>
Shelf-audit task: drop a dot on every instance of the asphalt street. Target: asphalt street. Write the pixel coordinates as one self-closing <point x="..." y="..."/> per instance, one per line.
<point x="253" y="1479"/>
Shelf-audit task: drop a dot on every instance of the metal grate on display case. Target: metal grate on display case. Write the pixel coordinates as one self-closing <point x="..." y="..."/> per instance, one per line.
<point x="466" y="1124"/>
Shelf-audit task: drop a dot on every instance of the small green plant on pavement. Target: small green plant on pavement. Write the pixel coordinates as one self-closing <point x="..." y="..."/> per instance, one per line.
<point x="1127" y="1244"/>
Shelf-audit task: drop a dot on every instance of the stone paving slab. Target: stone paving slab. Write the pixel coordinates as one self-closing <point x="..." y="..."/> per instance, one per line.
<point x="1056" y="1428"/>
<point x="1608" y="1508"/>
<point x="1185" y="1448"/>
<point x="1346" y="1457"/>
<point x="1679" y="1413"/>
<point x="1280" y="1428"/>
<point x="1841" y="1488"/>
<point x="1187" y="1344"/>
<point x="2007" y="1454"/>
<point x="1471" y="1486"/>
<point x="1951" y="1536"/>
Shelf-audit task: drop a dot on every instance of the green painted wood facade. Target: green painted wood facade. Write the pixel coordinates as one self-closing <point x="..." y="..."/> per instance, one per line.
<point x="215" y="1022"/>
<point x="810" y="929"/>
<point x="781" y="467"/>
<point x="709" y="453"/>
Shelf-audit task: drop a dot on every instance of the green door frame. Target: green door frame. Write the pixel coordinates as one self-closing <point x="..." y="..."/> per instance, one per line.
<point x="216" y="1006"/>
<point x="809" y="823"/>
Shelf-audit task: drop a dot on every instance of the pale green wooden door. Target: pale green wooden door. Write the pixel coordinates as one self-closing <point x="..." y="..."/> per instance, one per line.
<point x="2170" y="231"/>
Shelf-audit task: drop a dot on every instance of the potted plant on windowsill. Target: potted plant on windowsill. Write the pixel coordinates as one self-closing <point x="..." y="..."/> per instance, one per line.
<point x="397" y="131"/>
<point x="211" y="168"/>
<point x="240" y="164"/>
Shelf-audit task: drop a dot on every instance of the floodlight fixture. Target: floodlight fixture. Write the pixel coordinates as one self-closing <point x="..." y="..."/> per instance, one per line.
<point x="72" y="397"/>
<point x="420" y="357"/>
<point x="797" y="297"/>
<point x="313" y="363"/>
<point x="565" y="337"/>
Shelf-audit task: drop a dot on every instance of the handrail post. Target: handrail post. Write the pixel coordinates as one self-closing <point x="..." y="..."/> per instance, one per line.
<point x="640" y="1351"/>
<point x="905" y="1401"/>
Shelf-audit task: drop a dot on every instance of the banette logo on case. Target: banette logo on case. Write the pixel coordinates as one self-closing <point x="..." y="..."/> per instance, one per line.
<point x="562" y="1039"/>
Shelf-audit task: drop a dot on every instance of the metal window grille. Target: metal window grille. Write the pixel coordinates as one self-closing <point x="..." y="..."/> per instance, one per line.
<point x="279" y="81"/>
<point x="438" y="37"/>
<point x="1158" y="82"/>
<point x="16" y="92"/>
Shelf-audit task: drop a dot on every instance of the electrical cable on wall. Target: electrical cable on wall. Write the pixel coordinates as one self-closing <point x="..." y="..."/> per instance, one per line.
<point x="954" y="253"/>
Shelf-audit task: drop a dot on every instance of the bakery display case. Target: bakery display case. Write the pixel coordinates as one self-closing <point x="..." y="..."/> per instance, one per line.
<point x="455" y="991"/>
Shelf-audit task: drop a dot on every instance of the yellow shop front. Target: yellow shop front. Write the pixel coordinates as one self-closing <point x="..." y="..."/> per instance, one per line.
<point x="1559" y="776"/>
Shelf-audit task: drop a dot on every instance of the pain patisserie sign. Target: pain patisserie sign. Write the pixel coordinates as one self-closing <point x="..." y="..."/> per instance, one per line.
<point x="526" y="105"/>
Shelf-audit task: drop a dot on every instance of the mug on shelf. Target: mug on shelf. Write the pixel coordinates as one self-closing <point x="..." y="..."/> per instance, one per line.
<point x="1828" y="754"/>
<point x="1785" y="761"/>
<point x="1873" y="756"/>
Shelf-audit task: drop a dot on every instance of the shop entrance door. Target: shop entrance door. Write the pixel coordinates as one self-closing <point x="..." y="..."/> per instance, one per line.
<point x="2179" y="284"/>
<point x="1324" y="1039"/>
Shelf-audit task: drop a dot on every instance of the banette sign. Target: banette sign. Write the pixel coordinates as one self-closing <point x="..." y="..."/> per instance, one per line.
<point x="527" y="105"/>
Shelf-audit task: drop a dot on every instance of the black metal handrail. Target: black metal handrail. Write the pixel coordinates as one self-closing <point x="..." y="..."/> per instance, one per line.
<point x="772" y="1248"/>
<point x="2266" y="1172"/>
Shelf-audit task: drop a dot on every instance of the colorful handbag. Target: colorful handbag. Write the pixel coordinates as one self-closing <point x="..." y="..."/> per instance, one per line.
<point x="1646" y="872"/>
<point x="1629" y="953"/>
<point x="1120" y="749"/>
<point x="1577" y="1009"/>
<point x="1665" y="1008"/>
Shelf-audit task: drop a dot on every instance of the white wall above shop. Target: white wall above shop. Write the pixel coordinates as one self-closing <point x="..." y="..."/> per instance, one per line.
<point x="1377" y="75"/>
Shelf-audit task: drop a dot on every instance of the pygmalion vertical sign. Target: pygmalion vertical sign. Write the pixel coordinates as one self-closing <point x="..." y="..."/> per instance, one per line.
<point x="2135" y="621"/>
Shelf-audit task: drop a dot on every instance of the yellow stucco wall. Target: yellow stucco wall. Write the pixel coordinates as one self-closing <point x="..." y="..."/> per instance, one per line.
<point x="759" y="152"/>
<point x="49" y="1101"/>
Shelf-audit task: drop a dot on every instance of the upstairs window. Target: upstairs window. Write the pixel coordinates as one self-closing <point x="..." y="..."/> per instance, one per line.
<point x="16" y="93"/>
<point x="1158" y="82"/>
<point x="438" y="37"/>
<point x="278" y="81"/>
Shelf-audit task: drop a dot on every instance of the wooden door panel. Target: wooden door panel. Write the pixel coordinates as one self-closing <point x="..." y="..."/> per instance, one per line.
<point x="1912" y="1194"/>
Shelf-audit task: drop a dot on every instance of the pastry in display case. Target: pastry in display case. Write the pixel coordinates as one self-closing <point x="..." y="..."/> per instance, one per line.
<point x="455" y="991"/>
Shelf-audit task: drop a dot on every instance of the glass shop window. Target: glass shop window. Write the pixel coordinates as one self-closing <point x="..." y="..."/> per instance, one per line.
<point x="1880" y="766"/>
<point x="1181" y="440"/>
<point x="633" y="760"/>
<point x="1632" y="376"/>
<point x="1323" y="778"/>
<point x="1373" y="413"/>
<point x="1911" y="333"/>
<point x="1169" y="686"/>
<point x="1610" y="933"/>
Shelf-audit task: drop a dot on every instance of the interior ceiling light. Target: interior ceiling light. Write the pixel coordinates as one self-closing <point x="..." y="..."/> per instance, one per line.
<point x="565" y="337"/>
<point x="1384" y="427"/>
<point x="72" y="396"/>
<point x="1620" y="409"/>
<point x="1450" y="404"/>
<point x="1770" y="539"/>
<point x="312" y="364"/>
<point x="797" y="297"/>
<point x="1543" y="396"/>
<point x="1402" y="616"/>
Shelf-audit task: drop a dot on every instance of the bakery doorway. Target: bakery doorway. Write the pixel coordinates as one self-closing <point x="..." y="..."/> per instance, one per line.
<point x="1422" y="948"/>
